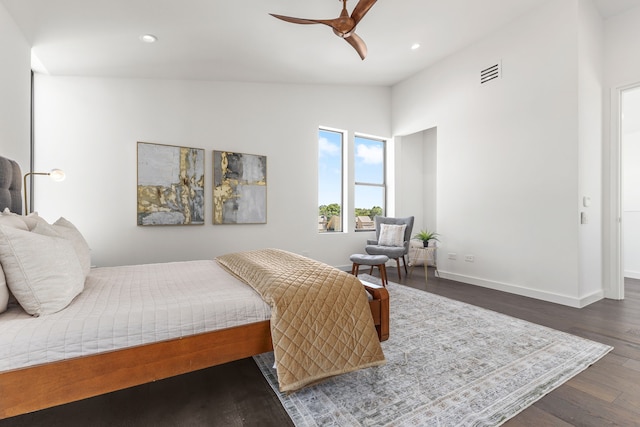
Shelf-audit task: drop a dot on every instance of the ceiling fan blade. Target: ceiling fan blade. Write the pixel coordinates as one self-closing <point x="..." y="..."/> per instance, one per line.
<point x="291" y="19"/>
<point x="358" y="44"/>
<point x="361" y="9"/>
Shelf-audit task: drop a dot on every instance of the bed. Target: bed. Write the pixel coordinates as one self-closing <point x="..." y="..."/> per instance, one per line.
<point x="58" y="370"/>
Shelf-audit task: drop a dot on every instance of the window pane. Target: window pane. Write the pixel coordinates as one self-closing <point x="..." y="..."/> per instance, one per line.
<point x="329" y="180"/>
<point x="369" y="198"/>
<point x="369" y="202"/>
<point x="369" y="160"/>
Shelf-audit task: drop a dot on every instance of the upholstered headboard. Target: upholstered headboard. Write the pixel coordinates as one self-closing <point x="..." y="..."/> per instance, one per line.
<point x="10" y="185"/>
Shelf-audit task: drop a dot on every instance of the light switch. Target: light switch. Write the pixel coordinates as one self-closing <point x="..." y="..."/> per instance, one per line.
<point x="586" y="201"/>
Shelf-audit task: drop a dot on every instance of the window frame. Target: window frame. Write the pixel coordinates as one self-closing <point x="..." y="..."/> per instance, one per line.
<point x="383" y="185"/>
<point x="343" y="172"/>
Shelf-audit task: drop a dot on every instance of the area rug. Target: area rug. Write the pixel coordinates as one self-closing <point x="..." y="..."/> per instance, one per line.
<point x="448" y="364"/>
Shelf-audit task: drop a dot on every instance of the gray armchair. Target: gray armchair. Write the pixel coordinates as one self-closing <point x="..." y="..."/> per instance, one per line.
<point x="393" y="252"/>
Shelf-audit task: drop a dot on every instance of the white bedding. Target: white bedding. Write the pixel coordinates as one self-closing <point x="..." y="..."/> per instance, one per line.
<point x="128" y="306"/>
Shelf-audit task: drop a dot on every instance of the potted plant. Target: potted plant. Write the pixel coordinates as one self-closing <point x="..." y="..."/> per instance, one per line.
<point x="425" y="236"/>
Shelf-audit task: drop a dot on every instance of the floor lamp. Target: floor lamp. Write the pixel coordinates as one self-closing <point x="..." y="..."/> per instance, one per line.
<point x="55" y="174"/>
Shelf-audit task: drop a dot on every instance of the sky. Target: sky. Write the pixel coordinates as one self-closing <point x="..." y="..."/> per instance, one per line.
<point x="369" y="167"/>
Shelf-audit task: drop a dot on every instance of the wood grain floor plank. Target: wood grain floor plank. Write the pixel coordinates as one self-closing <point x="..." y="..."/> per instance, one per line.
<point x="582" y="409"/>
<point x="600" y="391"/>
<point x="632" y="364"/>
<point x="628" y="400"/>
<point x="534" y="417"/>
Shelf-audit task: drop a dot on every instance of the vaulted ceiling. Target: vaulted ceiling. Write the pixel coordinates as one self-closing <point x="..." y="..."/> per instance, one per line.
<point x="237" y="40"/>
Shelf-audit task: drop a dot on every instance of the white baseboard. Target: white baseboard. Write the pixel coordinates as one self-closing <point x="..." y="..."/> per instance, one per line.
<point x="517" y="290"/>
<point x="632" y="274"/>
<point x="527" y="292"/>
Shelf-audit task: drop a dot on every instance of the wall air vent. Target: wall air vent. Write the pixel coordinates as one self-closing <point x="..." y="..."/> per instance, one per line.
<point x="490" y="73"/>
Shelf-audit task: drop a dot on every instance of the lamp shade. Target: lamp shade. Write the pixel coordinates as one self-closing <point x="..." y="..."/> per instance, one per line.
<point x="57" y="175"/>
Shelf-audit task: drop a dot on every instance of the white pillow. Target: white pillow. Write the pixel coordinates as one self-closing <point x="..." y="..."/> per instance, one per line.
<point x="69" y="231"/>
<point x="8" y="219"/>
<point x="33" y="219"/>
<point x="22" y="222"/>
<point x="43" y="272"/>
<point x="4" y="292"/>
<point x="66" y="230"/>
<point x="12" y="220"/>
<point x="391" y="235"/>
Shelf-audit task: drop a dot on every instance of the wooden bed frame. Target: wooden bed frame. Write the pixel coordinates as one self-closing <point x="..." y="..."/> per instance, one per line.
<point x="43" y="386"/>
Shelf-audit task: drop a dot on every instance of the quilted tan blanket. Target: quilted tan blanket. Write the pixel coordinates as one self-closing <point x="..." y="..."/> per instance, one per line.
<point x="321" y="323"/>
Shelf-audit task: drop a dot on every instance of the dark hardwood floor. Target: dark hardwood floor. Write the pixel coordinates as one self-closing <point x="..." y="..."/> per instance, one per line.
<point x="236" y="394"/>
<point x="606" y="394"/>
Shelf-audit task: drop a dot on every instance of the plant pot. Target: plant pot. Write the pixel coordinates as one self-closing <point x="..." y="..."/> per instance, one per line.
<point x="425" y="243"/>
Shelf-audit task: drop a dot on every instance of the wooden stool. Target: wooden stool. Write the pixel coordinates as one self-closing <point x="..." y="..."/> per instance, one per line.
<point x="370" y="260"/>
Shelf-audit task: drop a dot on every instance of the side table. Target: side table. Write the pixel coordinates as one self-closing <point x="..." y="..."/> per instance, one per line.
<point x="424" y="253"/>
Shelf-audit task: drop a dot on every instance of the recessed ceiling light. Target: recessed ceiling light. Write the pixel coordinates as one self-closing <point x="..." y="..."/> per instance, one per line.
<point x="148" y="38"/>
<point x="415" y="46"/>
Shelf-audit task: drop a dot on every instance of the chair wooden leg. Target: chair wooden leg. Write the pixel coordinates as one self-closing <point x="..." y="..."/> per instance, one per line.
<point x="404" y="261"/>
<point x="383" y="274"/>
<point x="371" y="271"/>
<point x="398" y="265"/>
<point x="354" y="269"/>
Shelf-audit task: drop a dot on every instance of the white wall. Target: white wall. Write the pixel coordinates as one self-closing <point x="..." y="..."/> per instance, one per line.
<point x="621" y="69"/>
<point x="590" y="99"/>
<point x="508" y="155"/>
<point x="622" y="34"/>
<point x="631" y="182"/>
<point x="15" y="78"/>
<point x="89" y="128"/>
<point x="417" y="153"/>
<point x="430" y="209"/>
<point x="631" y="203"/>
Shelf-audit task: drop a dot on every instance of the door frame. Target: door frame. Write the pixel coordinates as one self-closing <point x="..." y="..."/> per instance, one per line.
<point x="614" y="243"/>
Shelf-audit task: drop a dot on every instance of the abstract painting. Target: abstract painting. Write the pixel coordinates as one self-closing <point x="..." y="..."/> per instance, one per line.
<point x="170" y="185"/>
<point x="239" y="188"/>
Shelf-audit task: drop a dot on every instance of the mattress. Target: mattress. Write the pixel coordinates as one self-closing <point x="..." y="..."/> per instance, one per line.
<point x="128" y="306"/>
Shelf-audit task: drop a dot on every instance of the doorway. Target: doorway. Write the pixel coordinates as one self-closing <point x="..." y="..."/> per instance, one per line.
<point x="630" y="179"/>
<point x="417" y="177"/>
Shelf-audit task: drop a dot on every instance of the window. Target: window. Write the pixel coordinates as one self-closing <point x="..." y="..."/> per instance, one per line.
<point x="369" y="196"/>
<point x="369" y="180"/>
<point x="330" y="182"/>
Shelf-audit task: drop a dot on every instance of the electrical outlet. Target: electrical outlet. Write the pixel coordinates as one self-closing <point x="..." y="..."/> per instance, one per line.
<point x="469" y="258"/>
<point x="584" y="219"/>
<point x="452" y="256"/>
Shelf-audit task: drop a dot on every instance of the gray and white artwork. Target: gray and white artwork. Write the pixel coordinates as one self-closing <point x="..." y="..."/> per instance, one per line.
<point x="170" y="185"/>
<point x="239" y="188"/>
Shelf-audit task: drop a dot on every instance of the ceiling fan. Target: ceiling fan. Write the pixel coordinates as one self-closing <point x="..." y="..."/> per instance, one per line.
<point x="343" y="26"/>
